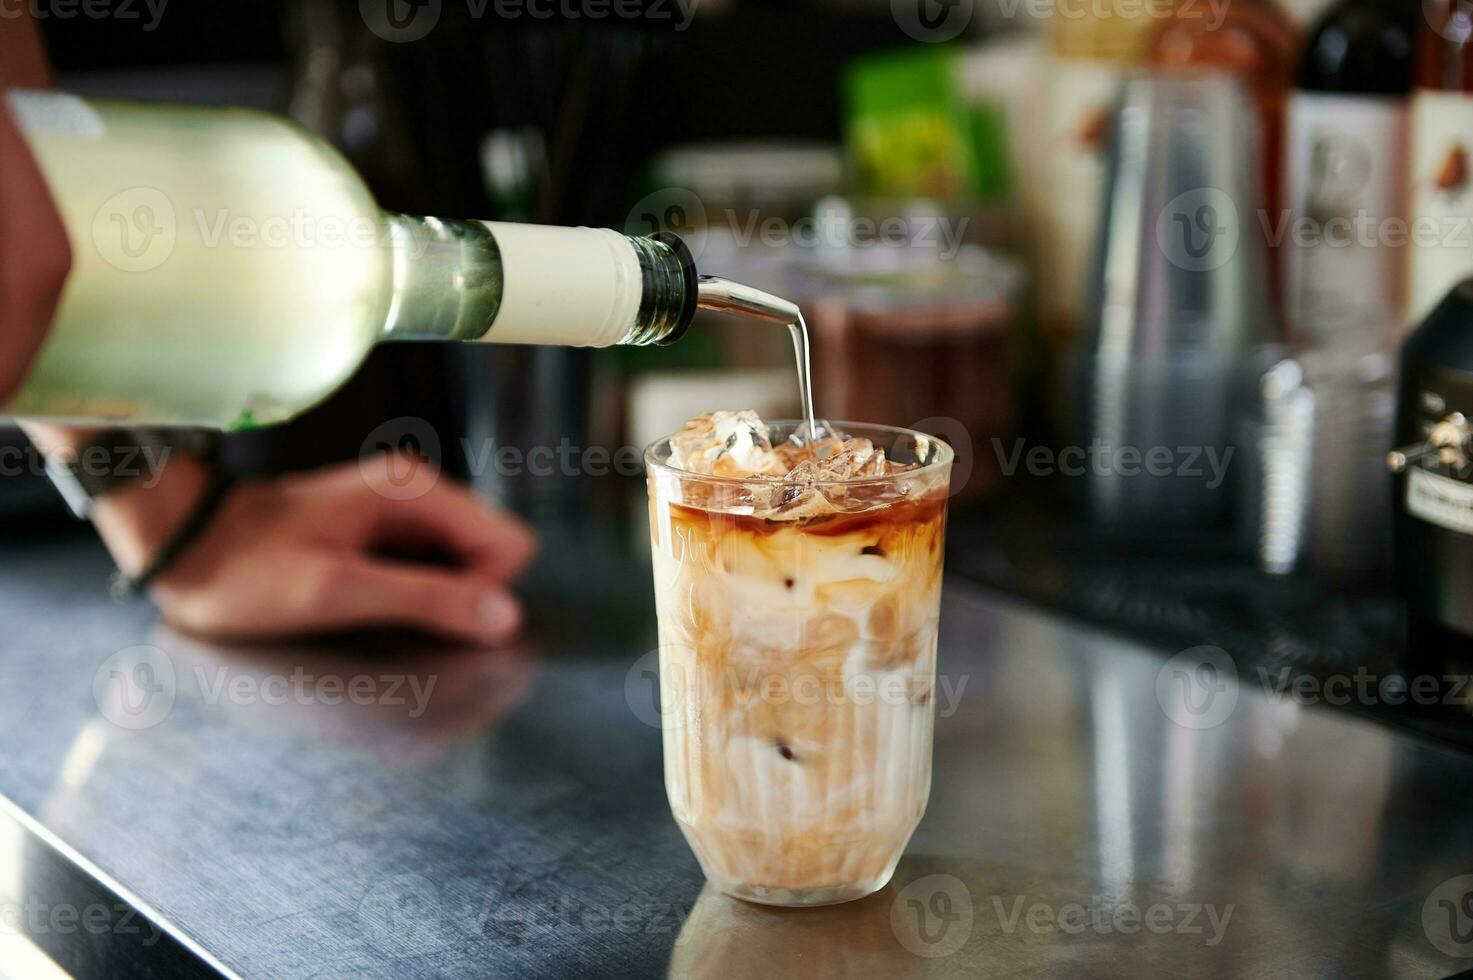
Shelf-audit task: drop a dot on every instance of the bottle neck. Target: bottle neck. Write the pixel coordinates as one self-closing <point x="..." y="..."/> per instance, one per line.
<point x="668" y="291"/>
<point x="447" y="280"/>
<point x="514" y="283"/>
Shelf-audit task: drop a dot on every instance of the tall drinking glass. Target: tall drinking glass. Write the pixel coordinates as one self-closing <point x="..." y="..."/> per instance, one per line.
<point x="797" y="622"/>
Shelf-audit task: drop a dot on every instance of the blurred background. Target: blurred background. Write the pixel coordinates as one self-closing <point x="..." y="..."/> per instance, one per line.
<point x="1149" y="265"/>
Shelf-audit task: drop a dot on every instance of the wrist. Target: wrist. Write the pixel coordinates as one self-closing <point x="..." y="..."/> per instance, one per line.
<point x="137" y="520"/>
<point x="138" y="487"/>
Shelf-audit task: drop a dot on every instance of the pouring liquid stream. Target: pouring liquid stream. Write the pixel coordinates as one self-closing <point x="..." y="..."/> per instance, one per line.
<point x="799" y="331"/>
<point x="724" y="296"/>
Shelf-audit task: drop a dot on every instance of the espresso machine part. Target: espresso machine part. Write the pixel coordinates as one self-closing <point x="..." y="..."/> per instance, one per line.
<point x="1433" y="484"/>
<point x="1449" y="442"/>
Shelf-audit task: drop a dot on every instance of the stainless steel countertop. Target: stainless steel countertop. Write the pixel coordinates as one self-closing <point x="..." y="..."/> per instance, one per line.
<point x="517" y="826"/>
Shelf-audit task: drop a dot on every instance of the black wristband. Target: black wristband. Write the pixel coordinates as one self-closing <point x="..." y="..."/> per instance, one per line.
<point x="125" y="586"/>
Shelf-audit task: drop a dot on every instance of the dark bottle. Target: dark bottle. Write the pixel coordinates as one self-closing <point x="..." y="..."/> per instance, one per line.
<point x="1345" y="170"/>
<point x="1434" y="487"/>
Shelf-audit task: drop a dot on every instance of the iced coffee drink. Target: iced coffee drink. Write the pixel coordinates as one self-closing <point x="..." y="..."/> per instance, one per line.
<point x="797" y="584"/>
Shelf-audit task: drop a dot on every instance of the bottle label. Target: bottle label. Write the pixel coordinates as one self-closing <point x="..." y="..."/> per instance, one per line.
<point x="1442" y="197"/>
<point x="54" y="114"/>
<point x="576" y="287"/>
<point x="1438" y="500"/>
<point x="1345" y="189"/>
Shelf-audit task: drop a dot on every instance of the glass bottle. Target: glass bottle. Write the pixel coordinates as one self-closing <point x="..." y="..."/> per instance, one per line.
<point x="1345" y="174"/>
<point x="230" y="270"/>
<point x="1441" y="145"/>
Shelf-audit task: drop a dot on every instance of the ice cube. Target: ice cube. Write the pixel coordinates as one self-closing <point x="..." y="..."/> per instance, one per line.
<point x="725" y="444"/>
<point x="797" y="496"/>
<point x="854" y="459"/>
<point x="811" y="478"/>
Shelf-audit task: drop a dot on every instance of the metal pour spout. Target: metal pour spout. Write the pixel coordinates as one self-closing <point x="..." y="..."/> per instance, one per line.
<point x="724" y="296"/>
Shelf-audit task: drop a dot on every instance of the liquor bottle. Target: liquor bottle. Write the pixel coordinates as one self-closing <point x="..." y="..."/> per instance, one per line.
<point x="1345" y="176"/>
<point x="1258" y="43"/>
<point x="1441" y="145"/>
<point x="231" y="270"/>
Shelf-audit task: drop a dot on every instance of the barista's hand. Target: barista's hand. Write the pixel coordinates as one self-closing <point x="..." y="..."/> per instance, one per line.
<point x="315" y="551"/>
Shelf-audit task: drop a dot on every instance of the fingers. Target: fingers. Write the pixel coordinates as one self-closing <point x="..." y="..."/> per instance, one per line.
<point x="263" y="596"/>
<point x="449" y="517"/>
<point x="318" y="564"/>
<point x="367" y="592"/>
<point x="438" y="514"/>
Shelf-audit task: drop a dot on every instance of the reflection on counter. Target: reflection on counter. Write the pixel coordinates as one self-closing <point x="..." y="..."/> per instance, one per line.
<point x="397" y="696"/>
